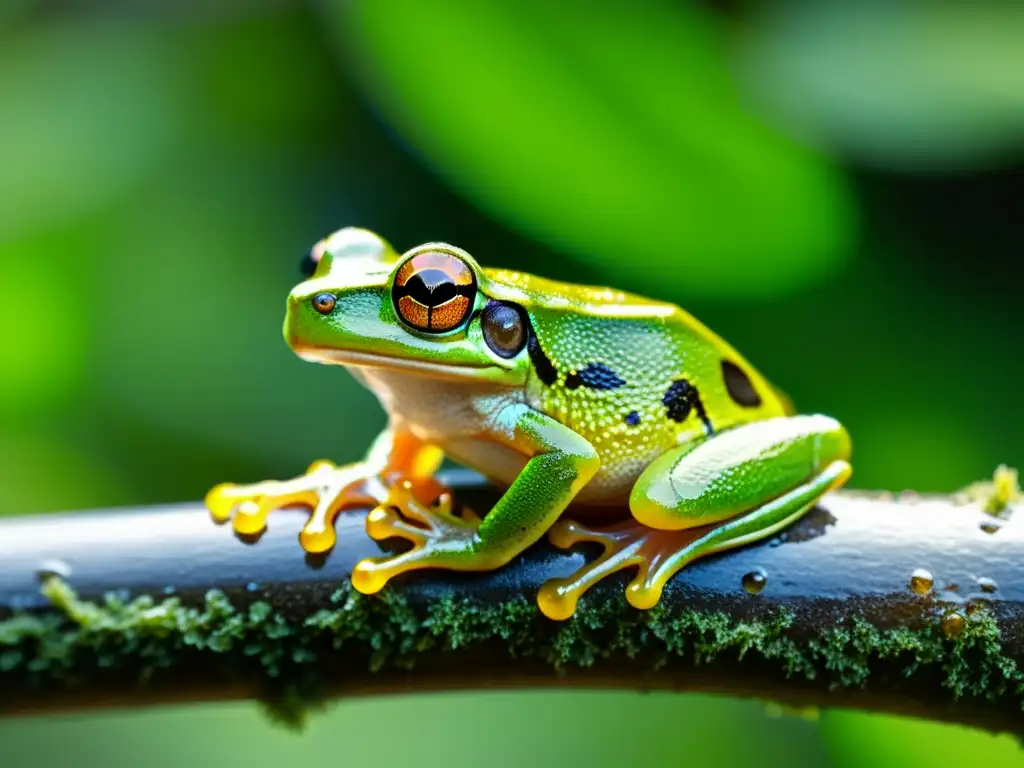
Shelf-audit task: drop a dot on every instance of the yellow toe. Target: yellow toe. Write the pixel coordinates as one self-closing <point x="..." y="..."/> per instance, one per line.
<point x="251" y="518"/>
<point x="219" y="502"/>
<point x="643" y="597"/>
<point x="556" y="600"/>
<point x="317" y="539"/>
<point x="368" y="577"/>
<point x="379" y="524"/>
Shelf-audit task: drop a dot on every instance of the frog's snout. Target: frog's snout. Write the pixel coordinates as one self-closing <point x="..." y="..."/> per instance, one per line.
<point x="307" y="317"/>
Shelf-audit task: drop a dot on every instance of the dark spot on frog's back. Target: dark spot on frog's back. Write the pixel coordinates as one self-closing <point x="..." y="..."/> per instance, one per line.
<point x="739" y="386"/>
<point x="681" y="398"/>
<point x="541" y="362"/>
<point x="632" y="418"/>
<point x="595" y="376"/>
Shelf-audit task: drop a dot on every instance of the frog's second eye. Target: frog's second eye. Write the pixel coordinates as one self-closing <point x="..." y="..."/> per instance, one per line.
<point x="434" y="291"/>
<point x="504" y="327"/>
<point x="312" y="259"/>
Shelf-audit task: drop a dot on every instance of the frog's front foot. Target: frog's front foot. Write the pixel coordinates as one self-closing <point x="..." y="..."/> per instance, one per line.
<point x="657" y="555"/>
<point x="325" y="489"/>
<point x="439" y="537"/>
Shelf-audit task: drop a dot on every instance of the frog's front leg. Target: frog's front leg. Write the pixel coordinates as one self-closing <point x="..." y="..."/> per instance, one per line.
<point x="720" y="492"/>
<point x="560" y="463"/>
<point x="326" y="488"/>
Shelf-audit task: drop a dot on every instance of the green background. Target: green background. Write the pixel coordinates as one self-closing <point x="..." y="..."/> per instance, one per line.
<point x="834" y="187"/>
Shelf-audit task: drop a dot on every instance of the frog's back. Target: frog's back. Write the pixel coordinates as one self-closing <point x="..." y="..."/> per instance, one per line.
<point x="633" y="376"/>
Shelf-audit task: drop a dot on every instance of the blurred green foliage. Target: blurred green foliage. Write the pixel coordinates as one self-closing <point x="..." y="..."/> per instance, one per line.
<point x="616" y="133"/>
<point x="165" y="166"/>
<point x="917" y="85"/>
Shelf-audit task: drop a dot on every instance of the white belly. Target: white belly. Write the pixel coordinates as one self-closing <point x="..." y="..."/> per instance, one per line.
<point x="461" y="420"/>
<point x="436" y="410"/>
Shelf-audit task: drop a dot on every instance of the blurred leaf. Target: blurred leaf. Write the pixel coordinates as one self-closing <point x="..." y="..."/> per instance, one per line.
<point x="190" y="337"/>
<point x="910" y="85"/>
<point x="856" y="739"/>
<point x="906" y="447"/>
<point x="458" y="730"/>
<point x="203" y="260"/>
<point x="41" y="472"/>
<point x="12" y="11"/>
<point x="262" y="81"/>
<point x="45" y="314"/>
<point x="87" y="109"/>
<point x="612" y="131"/>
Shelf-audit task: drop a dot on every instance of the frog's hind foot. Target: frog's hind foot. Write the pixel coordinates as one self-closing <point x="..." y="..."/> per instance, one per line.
<point x="656" y="554"/>
<point x="325" y="489"/>
<point x="436" y="533"/>
<point x="660" y="554"/>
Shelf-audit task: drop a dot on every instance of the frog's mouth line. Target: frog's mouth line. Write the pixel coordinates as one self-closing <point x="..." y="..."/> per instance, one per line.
<point x="375" y="360"/>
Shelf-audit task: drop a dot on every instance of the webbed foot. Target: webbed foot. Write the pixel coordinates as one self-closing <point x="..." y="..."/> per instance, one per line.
<point x="439" y="537"/>
<point x="655" y="553"/>
<point x="659" y="554"/>
<point x="325" y="489"/>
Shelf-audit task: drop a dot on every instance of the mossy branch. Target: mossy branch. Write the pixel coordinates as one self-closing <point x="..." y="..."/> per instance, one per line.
<point x="126" y="607"/>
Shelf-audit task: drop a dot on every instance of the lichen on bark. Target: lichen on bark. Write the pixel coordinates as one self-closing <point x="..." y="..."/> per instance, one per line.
<point x="79" y="642"/>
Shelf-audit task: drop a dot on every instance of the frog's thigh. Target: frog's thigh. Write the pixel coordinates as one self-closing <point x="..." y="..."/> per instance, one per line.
<point x="725" y="491"/>
<point x="734" y="472"/>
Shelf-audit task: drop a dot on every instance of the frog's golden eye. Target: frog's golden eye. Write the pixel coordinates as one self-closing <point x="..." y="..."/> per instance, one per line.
<point x="434" y="291"/>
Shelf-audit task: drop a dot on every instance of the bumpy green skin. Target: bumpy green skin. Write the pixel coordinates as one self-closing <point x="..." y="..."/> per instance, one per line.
<point x="83" y="644"/>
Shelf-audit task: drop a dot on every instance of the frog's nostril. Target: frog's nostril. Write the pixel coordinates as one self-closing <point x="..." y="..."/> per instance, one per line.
<point x="324" y="303"/>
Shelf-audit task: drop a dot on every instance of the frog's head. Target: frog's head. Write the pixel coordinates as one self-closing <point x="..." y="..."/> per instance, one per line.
<point x="428" y="312"/>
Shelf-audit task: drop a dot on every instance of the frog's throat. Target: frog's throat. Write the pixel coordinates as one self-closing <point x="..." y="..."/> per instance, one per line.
<point x="376" y="360"/>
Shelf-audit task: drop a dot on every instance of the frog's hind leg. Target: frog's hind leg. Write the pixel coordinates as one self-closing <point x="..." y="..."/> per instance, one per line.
<point x="723" y="492"/>
<point x="326" y="488"/>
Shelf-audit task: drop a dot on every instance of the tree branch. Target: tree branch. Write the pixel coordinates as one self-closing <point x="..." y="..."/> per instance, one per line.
<point x="137" y="606"/>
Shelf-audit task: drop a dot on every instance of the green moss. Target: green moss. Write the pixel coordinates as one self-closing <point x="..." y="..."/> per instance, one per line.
<point x="996" y="495"/>
<point x="82" y="641"/>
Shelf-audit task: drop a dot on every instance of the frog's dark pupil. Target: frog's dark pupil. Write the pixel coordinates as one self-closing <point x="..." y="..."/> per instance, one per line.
<point x="431" y="287"/>
<point x="504" y="329"/>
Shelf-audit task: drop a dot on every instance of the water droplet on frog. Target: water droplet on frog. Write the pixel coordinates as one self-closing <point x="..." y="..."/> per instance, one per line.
<point x="252" y="586"/>
<point x="755" y="581"/>
<point x="53" y="568"/>
<point x="921" y="582"/>
<point x="991" y="526"/>
<point x="953" y="624"/>
<point x="985" y="584"/>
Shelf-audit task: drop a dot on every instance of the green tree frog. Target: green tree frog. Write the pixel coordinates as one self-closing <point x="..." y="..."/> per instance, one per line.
<point x="558" y="393"/>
